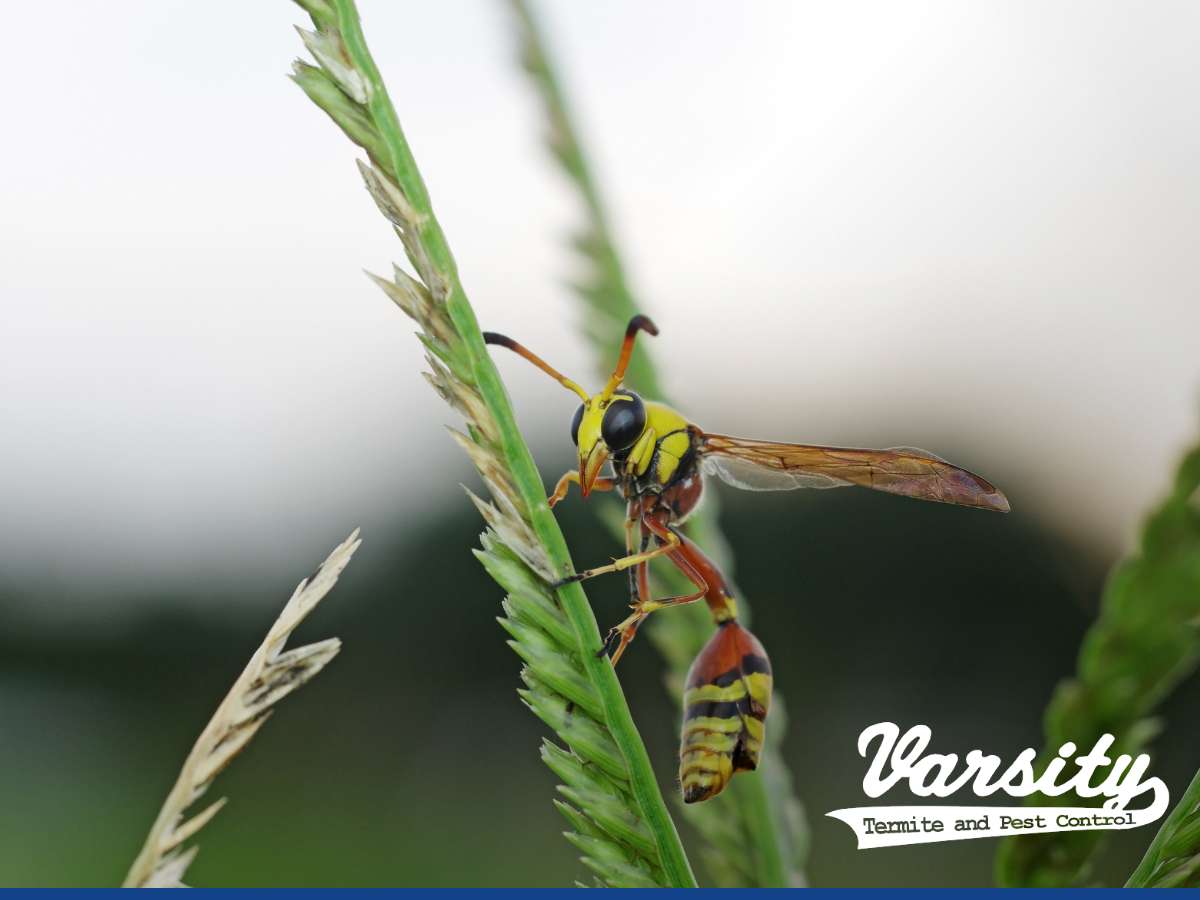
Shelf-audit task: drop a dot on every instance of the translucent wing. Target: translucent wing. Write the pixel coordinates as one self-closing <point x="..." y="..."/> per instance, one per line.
<point x="753" y="476"/>
<point x="769" y="466"/>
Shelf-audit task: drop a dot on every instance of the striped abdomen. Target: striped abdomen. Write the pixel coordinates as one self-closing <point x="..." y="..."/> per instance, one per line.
<point x="725" y="703"/>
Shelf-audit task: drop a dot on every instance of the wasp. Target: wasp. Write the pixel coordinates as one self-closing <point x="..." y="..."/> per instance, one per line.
<point x="657" y="461"/>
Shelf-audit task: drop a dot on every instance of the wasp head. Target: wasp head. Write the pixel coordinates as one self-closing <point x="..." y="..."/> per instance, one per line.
<point x="604" y="428"/>
<point x="606" y="424"/>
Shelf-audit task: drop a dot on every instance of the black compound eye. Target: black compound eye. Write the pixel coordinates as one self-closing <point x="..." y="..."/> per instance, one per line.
<point x="575" y="425"/>
<point x="623" y="422"/>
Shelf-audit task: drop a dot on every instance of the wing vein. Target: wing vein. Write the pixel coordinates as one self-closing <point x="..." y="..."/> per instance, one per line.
<point x="907" y="471"/>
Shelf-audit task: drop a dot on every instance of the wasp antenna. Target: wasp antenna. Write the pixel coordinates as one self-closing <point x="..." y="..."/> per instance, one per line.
<point x="501" y="340"/>
<point x="636" y="324"/>
<point x="640" y="323"/>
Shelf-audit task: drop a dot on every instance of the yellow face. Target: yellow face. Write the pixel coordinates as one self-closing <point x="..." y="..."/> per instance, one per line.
<point x="606" y="424"/>
<point x="603" y="427"/>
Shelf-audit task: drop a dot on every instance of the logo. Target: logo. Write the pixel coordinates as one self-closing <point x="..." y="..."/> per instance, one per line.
<point x="901" y="758"/>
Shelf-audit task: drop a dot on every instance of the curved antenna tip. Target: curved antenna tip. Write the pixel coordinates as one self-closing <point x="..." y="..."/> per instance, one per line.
<point x="641" y="323"/>
<point x="499" y="340"/>
<point x="636" y="324"/>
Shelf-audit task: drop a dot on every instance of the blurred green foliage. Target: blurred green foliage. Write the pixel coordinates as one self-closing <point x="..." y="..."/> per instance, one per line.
<point x="1173" y="859"/>
<point x="961" y="620"/>
<point x="1144" y="642"/>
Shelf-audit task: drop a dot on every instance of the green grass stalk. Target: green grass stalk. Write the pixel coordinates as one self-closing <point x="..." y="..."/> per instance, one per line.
<point x="620" y="818"/>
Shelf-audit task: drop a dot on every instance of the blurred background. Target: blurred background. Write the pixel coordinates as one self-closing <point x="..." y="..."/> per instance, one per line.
<point x="967" y="227"/>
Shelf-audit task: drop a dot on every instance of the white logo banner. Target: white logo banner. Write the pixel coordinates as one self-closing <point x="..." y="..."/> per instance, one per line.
<point x="902" y="758"/>
<point x="894" y="826"/>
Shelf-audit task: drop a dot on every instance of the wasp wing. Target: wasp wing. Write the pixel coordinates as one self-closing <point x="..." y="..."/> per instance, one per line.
<point x="770" y="466"/>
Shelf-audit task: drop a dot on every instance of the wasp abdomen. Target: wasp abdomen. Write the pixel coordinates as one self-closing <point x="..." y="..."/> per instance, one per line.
<point x="726" y="699"/>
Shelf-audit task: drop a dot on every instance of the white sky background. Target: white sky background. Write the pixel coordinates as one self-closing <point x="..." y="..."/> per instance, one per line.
<point x="969" y="227"/>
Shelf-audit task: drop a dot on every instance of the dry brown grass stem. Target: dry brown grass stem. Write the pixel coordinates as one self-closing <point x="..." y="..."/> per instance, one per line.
<point x="271" y="674"/>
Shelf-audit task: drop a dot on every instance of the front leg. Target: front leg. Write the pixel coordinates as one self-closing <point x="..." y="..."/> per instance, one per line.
<point x="669" y="543"/>
<point x="572" y="477"/>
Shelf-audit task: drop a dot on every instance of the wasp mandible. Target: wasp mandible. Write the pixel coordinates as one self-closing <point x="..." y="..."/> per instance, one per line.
<point x="658" y="459"/>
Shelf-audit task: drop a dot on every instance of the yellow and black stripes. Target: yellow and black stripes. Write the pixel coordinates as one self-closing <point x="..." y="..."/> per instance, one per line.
<point x="726" y="699"/>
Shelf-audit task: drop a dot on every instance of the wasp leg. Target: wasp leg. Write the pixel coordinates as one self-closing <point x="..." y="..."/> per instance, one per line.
<point x="632" y="517"/>
<point x="623" y="634"/>
<point x="721" y="603"/>
<point x="639" y="587"/>
<point x="572" y="477"/>
<point x="641" y="577"/>
<point x="626" y="562"/>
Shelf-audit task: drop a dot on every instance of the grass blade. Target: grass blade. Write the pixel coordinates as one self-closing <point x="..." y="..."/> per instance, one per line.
<point x="755" y="831"/>
<point x="524" y="549"/>
<point x="1143" y="643"/>
<point x="1173" y="858"/>
<point x="271" y="674"/>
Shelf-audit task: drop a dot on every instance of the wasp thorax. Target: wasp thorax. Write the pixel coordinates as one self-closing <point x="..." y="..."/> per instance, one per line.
<point x="623" y="422"/>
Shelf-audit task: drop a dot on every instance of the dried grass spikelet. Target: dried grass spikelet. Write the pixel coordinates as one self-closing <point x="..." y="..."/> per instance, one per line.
<point x="450" y="373"/>
<point x="271" y="674"/>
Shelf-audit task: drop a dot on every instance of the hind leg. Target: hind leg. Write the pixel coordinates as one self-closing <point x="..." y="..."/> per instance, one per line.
<point x="620" y="636"/>
<point x="720" y="603"/>
<point x="632" y="520"/>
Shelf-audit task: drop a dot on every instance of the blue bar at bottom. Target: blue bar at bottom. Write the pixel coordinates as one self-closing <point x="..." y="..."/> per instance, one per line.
<point x="410" y="893"/>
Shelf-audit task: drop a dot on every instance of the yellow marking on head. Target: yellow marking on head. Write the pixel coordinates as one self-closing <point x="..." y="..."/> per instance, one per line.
<point x="589" y="426"/>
